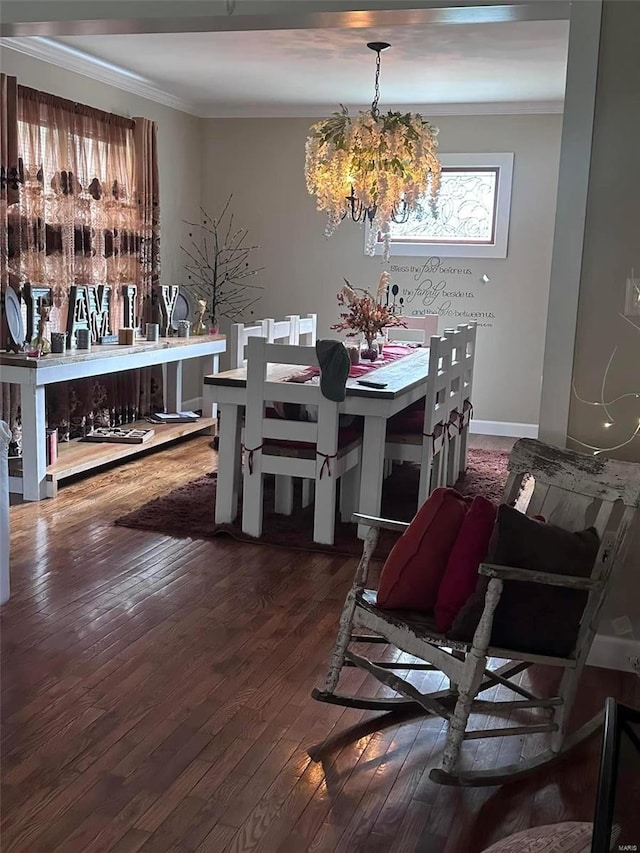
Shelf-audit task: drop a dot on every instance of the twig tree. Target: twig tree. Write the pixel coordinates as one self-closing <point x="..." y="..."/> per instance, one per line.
<point x="219" y="265"/>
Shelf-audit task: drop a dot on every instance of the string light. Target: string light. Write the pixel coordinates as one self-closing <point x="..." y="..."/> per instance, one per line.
<point x="605" y="404"/>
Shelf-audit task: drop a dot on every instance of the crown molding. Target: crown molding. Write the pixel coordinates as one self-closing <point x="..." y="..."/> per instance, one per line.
<point x="79" y="62"/>
<point x="494" y="108"/>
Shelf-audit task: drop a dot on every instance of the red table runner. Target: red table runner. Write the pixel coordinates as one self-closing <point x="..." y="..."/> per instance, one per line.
<point x="391" y="352"/>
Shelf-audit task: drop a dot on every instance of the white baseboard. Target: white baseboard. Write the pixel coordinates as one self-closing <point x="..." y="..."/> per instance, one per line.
<point x="514" y="430"/>
<point x="610" y="652"/>
<point x="505" y="428"/>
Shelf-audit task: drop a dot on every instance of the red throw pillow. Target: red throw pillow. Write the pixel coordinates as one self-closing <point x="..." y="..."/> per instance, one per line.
<point x="413" y="570"/>
<point x="469" y="550"/>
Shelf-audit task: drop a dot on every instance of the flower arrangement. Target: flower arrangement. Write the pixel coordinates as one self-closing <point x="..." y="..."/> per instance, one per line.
<point x="366" y="314"/>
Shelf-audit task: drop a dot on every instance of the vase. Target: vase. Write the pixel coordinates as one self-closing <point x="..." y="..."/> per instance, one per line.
<point x="368" y="349"/>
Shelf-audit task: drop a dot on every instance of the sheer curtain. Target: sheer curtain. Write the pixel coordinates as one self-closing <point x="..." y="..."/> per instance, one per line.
<point x="84" y="217"/>
<point x="10" y="173"/>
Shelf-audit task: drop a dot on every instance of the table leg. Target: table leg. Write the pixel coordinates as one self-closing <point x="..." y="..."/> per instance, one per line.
<point x="228" y="465"/>
<point x="174" y="386"/>
<point x="375" y="433"/>
<point x="209" y="364"/>
<point x="34" y="466"/>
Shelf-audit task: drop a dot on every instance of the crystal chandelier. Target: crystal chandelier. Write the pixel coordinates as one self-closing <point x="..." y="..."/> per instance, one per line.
<point x="374" y="167"/>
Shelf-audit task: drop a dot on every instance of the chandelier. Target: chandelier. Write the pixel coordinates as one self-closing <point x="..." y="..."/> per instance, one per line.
<point x="376" y="166"/>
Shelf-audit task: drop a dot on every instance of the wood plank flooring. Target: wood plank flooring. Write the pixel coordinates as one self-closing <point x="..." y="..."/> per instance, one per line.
<point x="156" y="697"/>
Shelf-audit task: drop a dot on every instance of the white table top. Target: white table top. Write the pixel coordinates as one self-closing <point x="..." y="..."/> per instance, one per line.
<point x="97" y="352"/>
<point x="401" y="375"/>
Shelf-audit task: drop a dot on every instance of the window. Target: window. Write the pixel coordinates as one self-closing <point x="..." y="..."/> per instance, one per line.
<point x="473" y="211"/>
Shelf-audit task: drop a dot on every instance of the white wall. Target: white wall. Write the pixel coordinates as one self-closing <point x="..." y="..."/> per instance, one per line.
<point x="261" y="161"/>
<point x="611" y="250"/>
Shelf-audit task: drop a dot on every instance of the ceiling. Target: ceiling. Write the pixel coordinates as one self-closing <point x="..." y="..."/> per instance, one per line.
<point x="514" y="66"/>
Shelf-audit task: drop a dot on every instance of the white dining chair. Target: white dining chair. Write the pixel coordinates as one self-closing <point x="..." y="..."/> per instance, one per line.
<point x="314" y="450"/>
<point x="464" y="424"/>
<point x="457" y="338"/>
<point x="418" y="329"/>
<point x="307" y="329"/>
<point x="420" y="433"/>
<point x="239" y="335"/>
<point x="294" y="329"/>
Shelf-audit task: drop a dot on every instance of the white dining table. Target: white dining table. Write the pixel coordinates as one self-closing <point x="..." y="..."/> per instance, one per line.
<point x="405" y="379"/>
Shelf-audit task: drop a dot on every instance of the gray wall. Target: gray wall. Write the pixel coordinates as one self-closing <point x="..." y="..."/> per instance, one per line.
<point x="612" y="248"/>
<point x="612" y="242"/>
<point x="261" y="161"/>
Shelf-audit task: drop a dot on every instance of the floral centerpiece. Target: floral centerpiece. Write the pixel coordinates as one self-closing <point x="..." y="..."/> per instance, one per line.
<point x="366" y="314"/>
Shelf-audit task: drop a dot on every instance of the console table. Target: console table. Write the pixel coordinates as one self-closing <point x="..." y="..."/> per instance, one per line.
<point x="34" y="374"/>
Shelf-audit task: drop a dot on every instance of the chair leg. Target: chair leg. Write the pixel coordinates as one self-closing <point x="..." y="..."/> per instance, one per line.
<point x="567" y="691"/>
<point x="346" y="618"/>
<point x="349" y="489"/>
<point x="426" y="473"/>
<point x="472" y="677"/>
<point x="463" y="439"/>
<point x="252" y="501"/>
<point x="324" y="516"/>
<point x="307" y="492"/>
<point x="436" y="472"/>
<point x="450" y="463"/>
<point x="284" y="495"/>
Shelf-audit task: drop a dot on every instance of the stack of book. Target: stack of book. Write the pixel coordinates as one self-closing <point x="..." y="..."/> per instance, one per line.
<point x="174" y="417"/>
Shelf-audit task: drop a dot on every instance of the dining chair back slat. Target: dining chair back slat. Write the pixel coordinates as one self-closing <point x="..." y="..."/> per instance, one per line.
<point x="457" y="337"/>
<point x="294" y="330"/>
<point x="239" y="337"/>
<point x="308" y="329"/>
<point x="469" y="358"/>
<point x="417" y="329"/>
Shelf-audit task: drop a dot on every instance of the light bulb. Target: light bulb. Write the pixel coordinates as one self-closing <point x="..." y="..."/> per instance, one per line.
<point x="607" y="424"/>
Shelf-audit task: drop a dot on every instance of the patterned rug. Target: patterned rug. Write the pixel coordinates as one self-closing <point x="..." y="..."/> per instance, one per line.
<point x="188" y="511"/>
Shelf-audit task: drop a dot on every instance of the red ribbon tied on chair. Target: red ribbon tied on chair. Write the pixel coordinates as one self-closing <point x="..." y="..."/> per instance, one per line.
<point x="250" y="451"/>
<point x="454" y="421"/>
<point x="467" y="412"/>
<point x="325" y="462"/>
<point x="435" y="435"/>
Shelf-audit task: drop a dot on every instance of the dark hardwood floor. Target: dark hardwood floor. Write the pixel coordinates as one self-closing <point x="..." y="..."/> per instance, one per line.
<point x="156" y="697"/>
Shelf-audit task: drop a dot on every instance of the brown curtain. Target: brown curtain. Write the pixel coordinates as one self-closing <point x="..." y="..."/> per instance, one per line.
<point x="81" y="221"/>
<point x="10" y="176"/>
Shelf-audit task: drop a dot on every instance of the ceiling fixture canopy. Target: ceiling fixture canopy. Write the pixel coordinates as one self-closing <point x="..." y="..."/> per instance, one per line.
<point x="375" y="166"/>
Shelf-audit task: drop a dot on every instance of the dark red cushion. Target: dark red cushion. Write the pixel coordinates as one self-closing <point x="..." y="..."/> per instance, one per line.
<point x="532" y="617"/>
<point x="469" y="550"/>
<point x="408" y="421"/>
<point x="413" y="570"/>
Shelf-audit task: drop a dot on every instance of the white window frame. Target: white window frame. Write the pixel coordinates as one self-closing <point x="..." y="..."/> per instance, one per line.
<point x="498" y="248"/>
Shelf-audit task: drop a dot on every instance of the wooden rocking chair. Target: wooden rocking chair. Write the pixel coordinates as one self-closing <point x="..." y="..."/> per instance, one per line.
<point x="572" y="491"/>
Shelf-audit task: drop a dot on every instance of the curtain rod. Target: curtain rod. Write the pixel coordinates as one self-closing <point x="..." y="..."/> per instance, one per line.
<point x="75" y="107"/>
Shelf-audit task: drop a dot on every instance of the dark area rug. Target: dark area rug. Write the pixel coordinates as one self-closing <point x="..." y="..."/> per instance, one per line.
<point x="188" y="511"/>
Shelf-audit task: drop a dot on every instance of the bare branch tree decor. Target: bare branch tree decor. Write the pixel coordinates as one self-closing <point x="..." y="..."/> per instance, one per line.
<point x="219" y="266"/>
